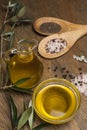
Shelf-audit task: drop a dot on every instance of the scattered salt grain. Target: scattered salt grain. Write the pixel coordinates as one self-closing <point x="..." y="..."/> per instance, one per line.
<point x="80" y="58"/>
<point x="55" y="45"/>
<point x="81" y="83"/>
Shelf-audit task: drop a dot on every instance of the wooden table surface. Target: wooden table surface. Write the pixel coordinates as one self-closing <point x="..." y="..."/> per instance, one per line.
<point x="73" y="11"/>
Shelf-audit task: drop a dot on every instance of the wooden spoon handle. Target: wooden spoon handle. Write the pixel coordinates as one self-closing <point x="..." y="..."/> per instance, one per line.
<point x="80" y="32"/>
<point x="74" y="35"/>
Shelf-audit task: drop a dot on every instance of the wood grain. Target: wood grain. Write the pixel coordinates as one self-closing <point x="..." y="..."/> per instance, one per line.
<point x="73" y="11"/>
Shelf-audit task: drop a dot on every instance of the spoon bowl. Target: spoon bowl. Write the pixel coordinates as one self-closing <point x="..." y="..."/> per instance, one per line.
<point x="48" y="46"/>
<point x="51" y="25"/>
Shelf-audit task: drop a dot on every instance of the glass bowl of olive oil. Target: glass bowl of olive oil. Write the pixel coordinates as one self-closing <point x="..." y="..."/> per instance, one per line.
<point x="56" y="100"/>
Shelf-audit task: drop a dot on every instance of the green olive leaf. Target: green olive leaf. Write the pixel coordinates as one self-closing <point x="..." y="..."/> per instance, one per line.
<point x="31" y="117"/>
<point x="39" y="127"/>
<point x="21" y="89"/>
<point x="14" y="86"/>
<point x="24" y="118"/>
<point x="13" y="111"/>
<point x="14" y="19"/>
<point x="12" y="5"/>
<point x="20" y="81"/>
<point x="21" y="12"/>
<point x="25" y="20"/>
<point x="19" y="22"/>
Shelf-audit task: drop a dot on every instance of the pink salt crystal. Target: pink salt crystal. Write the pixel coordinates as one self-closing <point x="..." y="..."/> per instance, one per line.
<point x="55" y="45"/>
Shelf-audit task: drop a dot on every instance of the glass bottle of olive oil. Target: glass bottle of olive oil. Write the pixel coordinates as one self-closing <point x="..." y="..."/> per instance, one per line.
<point x="24" y="63"/>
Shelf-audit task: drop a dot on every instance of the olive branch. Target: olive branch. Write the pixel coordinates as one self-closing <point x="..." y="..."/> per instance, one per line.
<point x="14" y="13"/>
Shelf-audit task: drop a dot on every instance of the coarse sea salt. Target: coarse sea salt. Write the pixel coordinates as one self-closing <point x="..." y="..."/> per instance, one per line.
<point x="55" y="45"/>
<point x="80" y="82"/>
<point x="80" y="58"/>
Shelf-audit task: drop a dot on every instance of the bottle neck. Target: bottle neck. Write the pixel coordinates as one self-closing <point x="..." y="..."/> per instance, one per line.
<point x="25" y="57"/>
<point x="25" y="50"/>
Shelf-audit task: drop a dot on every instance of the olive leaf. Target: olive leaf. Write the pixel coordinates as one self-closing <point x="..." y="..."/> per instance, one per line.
<point x="11" y="5"/>
<point x="13" y="112"/>
<point x="14" y="19"/>
<point x="21" y="12"/>
<point x="24" y="118"/>
<point x="25" y="20"/>
<point x="20" y="81"/>
<point x="39" y="127"/>
<point x="21" y="89"/>
<point x="31" y="117"/>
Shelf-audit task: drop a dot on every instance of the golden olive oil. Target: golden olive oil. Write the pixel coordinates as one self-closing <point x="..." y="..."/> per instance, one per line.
<point x="25" y="66"/>
<point x="55" y="102"/>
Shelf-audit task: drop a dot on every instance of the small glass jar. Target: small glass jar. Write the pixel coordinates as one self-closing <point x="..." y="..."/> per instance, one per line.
<point x="24" y="64"/>
<point x="56" y="100"/>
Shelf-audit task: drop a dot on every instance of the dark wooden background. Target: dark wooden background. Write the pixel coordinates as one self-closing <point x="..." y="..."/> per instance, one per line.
<point x="71" y="10"/>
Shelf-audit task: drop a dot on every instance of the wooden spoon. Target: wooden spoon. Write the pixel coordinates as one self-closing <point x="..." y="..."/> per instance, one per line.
<point x="50" y="25"/>
<point x="70" y="37"/>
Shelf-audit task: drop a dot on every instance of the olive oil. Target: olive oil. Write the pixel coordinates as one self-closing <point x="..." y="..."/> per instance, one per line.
<point x="55" y="102"/>
<point x="25" y="65"/>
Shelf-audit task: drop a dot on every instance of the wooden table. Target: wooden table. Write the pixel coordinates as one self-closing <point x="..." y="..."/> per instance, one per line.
<point x="73" y="11"/>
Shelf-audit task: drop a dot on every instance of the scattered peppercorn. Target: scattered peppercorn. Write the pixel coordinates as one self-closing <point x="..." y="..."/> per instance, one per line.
<point x="64" y="76"/>
<point x="63" y="69"/>
<point x="55" y="75"/>
<point x="48" y="68"/>
<point x="67" y="71"/>
<point x="55" y="68"/>
<point x="71" y="76"/>
<point x="75" y="83"/>
<point x="79" y="81"/>
<point x="80" y="69"/>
